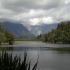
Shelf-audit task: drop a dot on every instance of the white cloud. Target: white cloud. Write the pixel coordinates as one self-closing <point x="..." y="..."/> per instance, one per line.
<point x="34" y="21"/>
<point x="43" y="20"/>
<point x="35" y="12"/>
<point x="47" y="20"/>
<point x="67" y="1"/>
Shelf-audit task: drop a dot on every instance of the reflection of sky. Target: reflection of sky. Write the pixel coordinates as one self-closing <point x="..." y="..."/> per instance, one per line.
<point x="40" y="44"/>
<point x="36" y="44"/>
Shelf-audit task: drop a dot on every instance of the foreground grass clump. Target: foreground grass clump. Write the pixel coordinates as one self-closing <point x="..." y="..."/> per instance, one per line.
<point x="7" y="62"/>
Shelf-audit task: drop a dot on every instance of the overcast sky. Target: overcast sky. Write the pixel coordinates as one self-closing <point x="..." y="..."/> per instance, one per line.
<point x="35" y="12"/>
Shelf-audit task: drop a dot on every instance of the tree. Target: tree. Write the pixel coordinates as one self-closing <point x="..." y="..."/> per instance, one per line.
<point x="1" y="27"/>
<point x="2" y="37"/>
<point x="59" y="35"/>
<point x="9" y="36"/>
<point x="39" y="37"/>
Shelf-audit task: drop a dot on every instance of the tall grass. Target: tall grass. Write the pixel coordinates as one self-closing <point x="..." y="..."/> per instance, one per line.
<point x="8" y="62"/>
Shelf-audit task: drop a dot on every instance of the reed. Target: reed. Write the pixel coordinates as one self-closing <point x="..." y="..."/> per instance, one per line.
<point x="8" y="62"/>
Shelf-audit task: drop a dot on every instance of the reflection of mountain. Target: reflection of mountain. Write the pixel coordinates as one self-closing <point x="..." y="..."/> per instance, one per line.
<point x="41" y="29"/>
<point x="17" y="29"/>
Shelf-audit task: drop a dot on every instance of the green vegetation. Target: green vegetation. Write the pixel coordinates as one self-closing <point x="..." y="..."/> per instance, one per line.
<point x="6" y="36"/>
<point x="8" y="62"/>
<point x="59" y="35"/>
<point x="9" y="36"/>
<point x="38" y="38"/>
<point x="2" y="37"/>
<point x="26" y="39"/>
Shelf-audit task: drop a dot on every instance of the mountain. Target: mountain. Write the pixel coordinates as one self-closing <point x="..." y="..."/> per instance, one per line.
<point x="41" y="29"/>
<point x="17" y="29"/>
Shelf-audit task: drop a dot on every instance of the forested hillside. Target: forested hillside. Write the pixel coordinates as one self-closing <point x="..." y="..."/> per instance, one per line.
<point x="59" y="35"/>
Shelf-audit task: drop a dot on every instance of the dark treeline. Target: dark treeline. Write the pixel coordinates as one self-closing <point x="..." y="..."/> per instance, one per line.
<point x="25" y="39"/>
<point x="6" y="35"/>
<point x="59" y="35"/>
<point x="37" y="38"/>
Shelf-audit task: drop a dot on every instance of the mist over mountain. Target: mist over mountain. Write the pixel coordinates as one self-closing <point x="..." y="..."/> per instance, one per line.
<point x="41" y="29"/>
<point x="17" y="29"/>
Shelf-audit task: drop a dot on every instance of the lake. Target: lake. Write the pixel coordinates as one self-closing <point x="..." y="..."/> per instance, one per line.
<point x="51" y="56"/>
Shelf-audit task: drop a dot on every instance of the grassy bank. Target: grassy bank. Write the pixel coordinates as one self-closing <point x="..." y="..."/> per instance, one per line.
<point x="15" y="42"/>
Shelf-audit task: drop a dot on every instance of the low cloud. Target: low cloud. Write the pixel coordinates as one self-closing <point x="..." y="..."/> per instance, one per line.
<point x="43" y="20"/>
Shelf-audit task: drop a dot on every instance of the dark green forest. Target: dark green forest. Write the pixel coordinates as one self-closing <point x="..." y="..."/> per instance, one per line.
<point x="59" y="35"/>
<point x="6" y="36"/>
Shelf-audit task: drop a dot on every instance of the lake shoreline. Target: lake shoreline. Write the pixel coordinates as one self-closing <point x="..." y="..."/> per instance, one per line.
<point x="35" y="44"/>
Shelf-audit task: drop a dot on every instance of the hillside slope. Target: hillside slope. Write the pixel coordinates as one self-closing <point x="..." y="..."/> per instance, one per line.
<point x="17" y="29"/>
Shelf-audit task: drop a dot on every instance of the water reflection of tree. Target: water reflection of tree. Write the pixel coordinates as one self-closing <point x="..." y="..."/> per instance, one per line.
<point x="6" y="48"/>
<point x="62" y="50"/>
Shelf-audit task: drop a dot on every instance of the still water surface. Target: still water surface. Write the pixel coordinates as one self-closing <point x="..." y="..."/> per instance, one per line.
<point x="49" y="59"/>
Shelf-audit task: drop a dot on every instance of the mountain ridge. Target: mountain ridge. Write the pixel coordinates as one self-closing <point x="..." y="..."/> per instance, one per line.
<point x="17" y="29"/>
